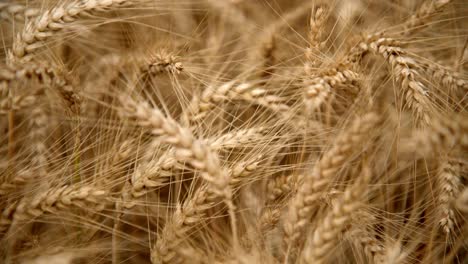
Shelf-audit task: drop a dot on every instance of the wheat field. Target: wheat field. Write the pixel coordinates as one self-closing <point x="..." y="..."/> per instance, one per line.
<point x="233" y="131"/>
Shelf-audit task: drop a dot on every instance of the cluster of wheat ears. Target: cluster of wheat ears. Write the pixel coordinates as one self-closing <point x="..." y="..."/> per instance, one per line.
<point x="233" y="131"/>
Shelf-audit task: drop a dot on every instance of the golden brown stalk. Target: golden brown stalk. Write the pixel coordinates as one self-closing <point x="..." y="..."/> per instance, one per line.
<point x="6" y="218"/>
<point x="346" y="144"/>
<point x="120" y="205"/>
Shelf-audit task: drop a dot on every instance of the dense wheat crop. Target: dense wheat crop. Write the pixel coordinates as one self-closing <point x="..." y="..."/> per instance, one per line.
<point x="233" y="131"/>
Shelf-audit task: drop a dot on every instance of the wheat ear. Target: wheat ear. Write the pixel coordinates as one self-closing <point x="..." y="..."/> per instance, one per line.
<point x="46" y="75"/>
<point x="53" y="201"/>
<point x="419" y="20"/>
<point x="230" y="91"/>
<point x="51" y="22"/>
<point x="317" y="21"/>
<point x="301" y="207"/>
<point x="169" y="243"/>
<point x="443" y="134"/>
<point x="405" y="69"/>
<point x="371" y="245"/>
<point x="449" y="187"/>
<point x="194" y="151"/>
<point x="325" y="236"/>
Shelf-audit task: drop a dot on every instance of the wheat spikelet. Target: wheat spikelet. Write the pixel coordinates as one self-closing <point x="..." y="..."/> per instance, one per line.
<point x="282" y="185"/>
